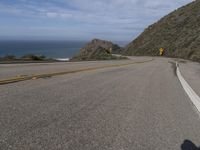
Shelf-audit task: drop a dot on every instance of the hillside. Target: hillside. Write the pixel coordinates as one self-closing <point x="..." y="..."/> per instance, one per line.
<point x="98" y="50"/>
<point x="178" y="33"/>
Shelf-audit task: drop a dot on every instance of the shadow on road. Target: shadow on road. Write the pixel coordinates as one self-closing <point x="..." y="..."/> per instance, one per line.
<point x="188" y="145"/>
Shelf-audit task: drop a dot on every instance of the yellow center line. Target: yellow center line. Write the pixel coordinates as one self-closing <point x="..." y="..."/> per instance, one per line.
<point x="38" y="76"/>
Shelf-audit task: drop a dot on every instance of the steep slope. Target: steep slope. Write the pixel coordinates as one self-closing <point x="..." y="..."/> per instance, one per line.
<point x="98" y="50"/>
<point x="178" y="33"/>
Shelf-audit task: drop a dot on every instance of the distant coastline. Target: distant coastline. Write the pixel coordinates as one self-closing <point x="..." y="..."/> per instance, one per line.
<point x="49" y="49"/>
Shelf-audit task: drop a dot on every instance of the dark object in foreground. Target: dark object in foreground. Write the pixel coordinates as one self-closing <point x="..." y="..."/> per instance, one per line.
<point x="188" y="145"/>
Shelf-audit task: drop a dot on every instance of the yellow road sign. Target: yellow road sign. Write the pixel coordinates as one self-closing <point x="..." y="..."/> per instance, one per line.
<point x="161" y="50"/>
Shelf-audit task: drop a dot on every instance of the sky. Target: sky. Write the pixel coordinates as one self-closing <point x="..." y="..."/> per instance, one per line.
<point x="116" y="20"/>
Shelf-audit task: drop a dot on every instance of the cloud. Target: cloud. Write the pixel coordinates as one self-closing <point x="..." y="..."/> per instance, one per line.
<point x="89" y="16"/>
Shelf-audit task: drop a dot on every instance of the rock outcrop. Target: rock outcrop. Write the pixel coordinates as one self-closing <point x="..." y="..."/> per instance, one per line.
<point x="98" y="50"/>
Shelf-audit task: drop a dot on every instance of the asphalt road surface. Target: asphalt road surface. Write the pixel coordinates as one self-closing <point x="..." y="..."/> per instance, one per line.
<point x="135" y="107"/>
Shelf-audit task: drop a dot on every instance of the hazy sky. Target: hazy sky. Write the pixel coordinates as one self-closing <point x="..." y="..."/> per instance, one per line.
<point x="81" y="19"/>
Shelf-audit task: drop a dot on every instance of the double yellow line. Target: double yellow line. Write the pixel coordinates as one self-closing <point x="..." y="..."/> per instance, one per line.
<point x="45" y="75"/>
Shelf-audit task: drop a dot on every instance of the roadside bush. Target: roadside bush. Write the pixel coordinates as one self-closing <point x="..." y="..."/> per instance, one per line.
<point x="33" y="57"/>
<point x="9" y="57"/>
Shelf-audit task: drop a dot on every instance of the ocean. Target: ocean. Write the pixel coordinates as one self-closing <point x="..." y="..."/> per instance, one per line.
<point x="50" y="49"/>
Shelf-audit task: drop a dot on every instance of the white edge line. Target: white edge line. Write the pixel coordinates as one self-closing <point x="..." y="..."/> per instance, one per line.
<point x="190" y="92"/>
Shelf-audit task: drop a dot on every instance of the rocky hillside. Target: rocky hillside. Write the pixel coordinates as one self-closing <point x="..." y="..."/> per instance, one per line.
<point x="98" y="50"/>
<point x="178" y="33"/>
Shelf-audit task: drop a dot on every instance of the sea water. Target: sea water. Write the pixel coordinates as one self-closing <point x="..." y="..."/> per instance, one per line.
<point x="50" y="49"/>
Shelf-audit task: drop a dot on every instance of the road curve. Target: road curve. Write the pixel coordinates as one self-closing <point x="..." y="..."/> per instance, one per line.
<point x="138" y="107"/>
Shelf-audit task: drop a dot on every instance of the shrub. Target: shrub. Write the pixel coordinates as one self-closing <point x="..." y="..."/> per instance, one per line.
<point x="9" y="57"/>
<point x="33" y="57"/>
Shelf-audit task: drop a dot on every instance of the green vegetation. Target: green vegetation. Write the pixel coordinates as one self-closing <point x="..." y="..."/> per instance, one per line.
<point x="25" y="58"/>
<point x="116" y="49"/>
<point x="8" y="57"/>
<point x="33" y="57"/>
<point x="178" y="33"/>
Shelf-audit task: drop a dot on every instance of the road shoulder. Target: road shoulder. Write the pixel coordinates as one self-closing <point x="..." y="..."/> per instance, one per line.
<point x="191" y="73"/>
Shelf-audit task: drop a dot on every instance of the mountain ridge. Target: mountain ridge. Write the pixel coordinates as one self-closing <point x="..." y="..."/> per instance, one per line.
<point x="178" y="33"/>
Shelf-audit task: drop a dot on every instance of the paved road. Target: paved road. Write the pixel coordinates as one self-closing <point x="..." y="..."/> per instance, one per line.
<point x="136" y="107"/>
<point x="11" y="70"/>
